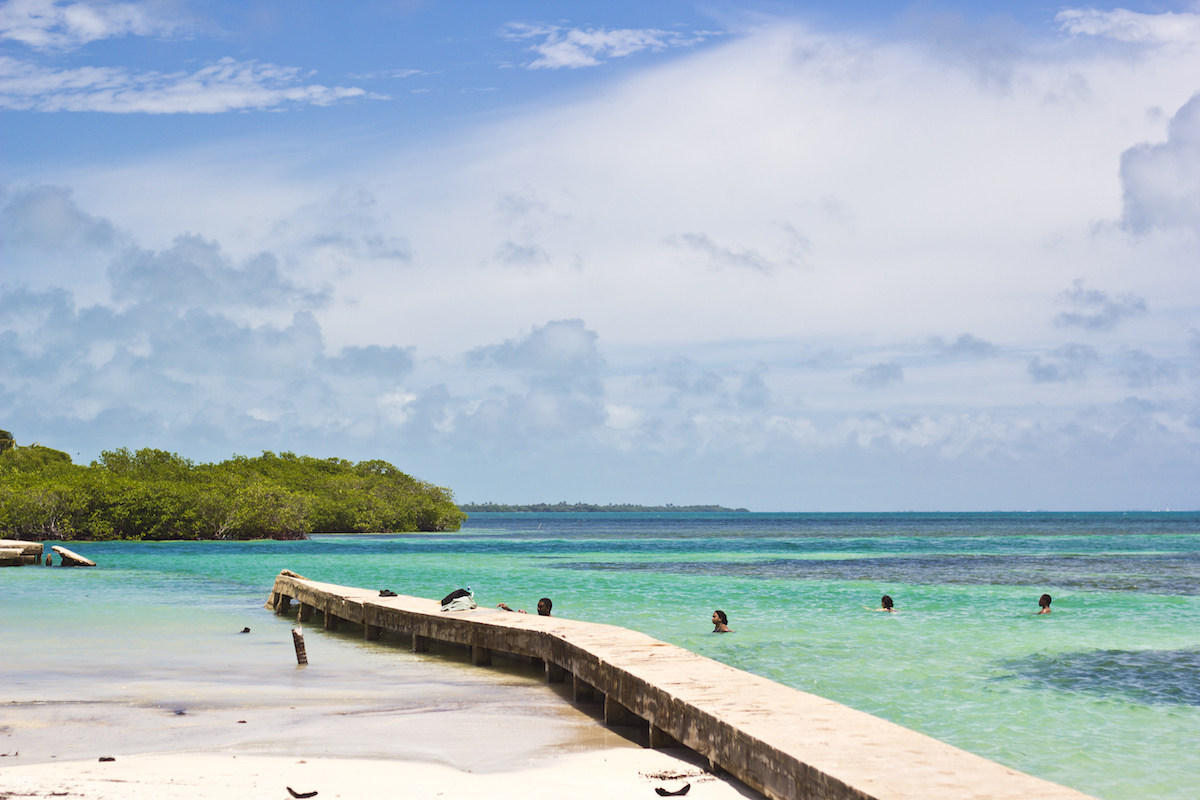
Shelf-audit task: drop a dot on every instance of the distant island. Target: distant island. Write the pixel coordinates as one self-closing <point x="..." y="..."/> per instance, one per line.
<point x="556" y="508"/>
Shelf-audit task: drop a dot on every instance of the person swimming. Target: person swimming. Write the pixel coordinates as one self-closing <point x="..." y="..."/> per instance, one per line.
<point x="886" y="604"/>
<point x="543" y="607"/>
<point x="1044" y="604"/>
<point x="720" y="622"/>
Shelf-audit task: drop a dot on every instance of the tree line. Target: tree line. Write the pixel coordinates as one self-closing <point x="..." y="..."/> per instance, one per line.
<point x="153" y="494"/>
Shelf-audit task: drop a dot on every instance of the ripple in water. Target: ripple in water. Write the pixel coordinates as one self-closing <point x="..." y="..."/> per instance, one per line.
<point x="1152" y="677"/>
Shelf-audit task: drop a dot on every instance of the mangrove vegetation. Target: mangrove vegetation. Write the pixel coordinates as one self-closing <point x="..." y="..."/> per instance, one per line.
<point x="153" y="494"/>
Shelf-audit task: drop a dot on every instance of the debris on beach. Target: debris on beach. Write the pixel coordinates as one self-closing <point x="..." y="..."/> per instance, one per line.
<point x="677" y="793"/>
<point x="296" y="794"/>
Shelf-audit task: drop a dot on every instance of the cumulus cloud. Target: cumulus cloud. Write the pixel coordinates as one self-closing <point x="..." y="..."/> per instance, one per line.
<point x="965" y="346"/>
<point x="1095" y="310"/>
<point x="1067" y="363"/>
<point x="573" y="47"/>
<point x="723" y="256"/>
<point x="46" y="218"/>
<point x="1132" y="26"/>
<point x="226" y="85"/>
<point x="685" y="379"/>
<point x="753" y="391"/>
<point x="561" y="356"/>
<point x="1161" y="182"/>
<point x="54" y="24"/>
<point x="386" y="362"/>
<point x="1140" y="369"/>
<point x="790" y="251"/>
<point x="521" y="255"/>
<point x="879" y="376"/>
<point x="194" y="272"/>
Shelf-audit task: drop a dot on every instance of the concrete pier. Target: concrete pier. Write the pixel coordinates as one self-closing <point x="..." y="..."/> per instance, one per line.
<point x="784" y="743"/>
<point x="16" y="552"/>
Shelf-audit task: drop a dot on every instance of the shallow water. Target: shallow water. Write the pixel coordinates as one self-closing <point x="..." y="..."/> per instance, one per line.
<point x="1099" y="695"/>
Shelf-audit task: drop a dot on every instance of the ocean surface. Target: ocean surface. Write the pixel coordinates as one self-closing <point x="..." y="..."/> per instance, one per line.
<point x="1102" y="695"/>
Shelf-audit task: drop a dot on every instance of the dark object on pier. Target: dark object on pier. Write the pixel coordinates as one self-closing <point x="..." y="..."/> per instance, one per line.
<point x="245" y="630"/>
<point x="386" y="593"/>
<point x="107" y="758"/>
<point x="294" y="793"/>
<point x="677" y="793"/>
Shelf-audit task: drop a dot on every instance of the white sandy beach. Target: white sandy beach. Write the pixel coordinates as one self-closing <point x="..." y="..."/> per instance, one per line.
<point x="484" y="734"/>
<point x="594" y="775"/>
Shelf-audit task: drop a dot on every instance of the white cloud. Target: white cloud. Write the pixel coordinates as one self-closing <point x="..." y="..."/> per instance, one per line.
<point x="879" y="376"/>
<point x="1161" y="181"/>
<point x="573" y="47"/>
<point x="1095" y="310"/>
<point x="1131" y="26"/>
<point x="930" y="203"/>
<point x="226" y="85"/>
<point x="53" y="24"/>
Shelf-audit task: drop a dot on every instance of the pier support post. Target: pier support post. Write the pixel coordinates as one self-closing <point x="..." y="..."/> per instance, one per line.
<point x="298" y="642"/>
<point x="660" y="738"/>
<point x="554" y="673"/>
<point x="481" y="656"/>
<point x="371" y="632"/>
<point x="331" y="621"/>
<point x="282" y="603"/>
<point x="305" y="613"/>
<point x="420" y="644"/>
<point x="583" y="690"/>
<point x="617" y="714"/>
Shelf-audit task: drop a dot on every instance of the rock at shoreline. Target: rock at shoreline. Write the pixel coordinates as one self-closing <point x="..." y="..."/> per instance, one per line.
<point x="70" y="559"/>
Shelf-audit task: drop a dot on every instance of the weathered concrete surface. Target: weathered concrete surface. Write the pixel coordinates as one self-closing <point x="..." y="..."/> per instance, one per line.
<point x="30" y="552"/>
<point x="782" y="742"/>
<point x="11" y="557"/>
<point x="72" y="559"/>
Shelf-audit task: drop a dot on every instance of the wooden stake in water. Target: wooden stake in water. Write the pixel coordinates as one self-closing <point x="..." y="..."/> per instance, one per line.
<point x="298" y="641"/>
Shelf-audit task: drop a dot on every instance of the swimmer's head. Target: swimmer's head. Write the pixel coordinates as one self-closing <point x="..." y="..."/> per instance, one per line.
<point x="886" y="601"/>
<point x="1044" y="601"/>
<point x="720" y="615"/>
<point x="544" y="606"/>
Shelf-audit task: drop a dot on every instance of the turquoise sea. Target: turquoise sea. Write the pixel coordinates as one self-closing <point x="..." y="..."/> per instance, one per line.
<point x="1102" y="695"/>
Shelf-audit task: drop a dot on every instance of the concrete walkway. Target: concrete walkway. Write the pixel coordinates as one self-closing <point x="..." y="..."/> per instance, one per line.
<point x="784" y="743"/>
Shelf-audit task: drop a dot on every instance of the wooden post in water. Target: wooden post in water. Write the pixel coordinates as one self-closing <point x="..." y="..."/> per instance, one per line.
<point x="298" y="641"/>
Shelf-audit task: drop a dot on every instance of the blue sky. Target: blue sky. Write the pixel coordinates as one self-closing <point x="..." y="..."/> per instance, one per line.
<point x="787" y="256"/>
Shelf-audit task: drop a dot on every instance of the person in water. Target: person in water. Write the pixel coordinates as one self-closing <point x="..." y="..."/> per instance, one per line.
<point x="543" y="607"/>
<point x="720" y="622"/>
<point x="886" y="604"/>
<point x="1044" y="604"/>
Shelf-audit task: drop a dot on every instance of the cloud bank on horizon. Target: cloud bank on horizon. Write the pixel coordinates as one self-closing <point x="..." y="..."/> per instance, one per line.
<point x="751" y="260"/>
